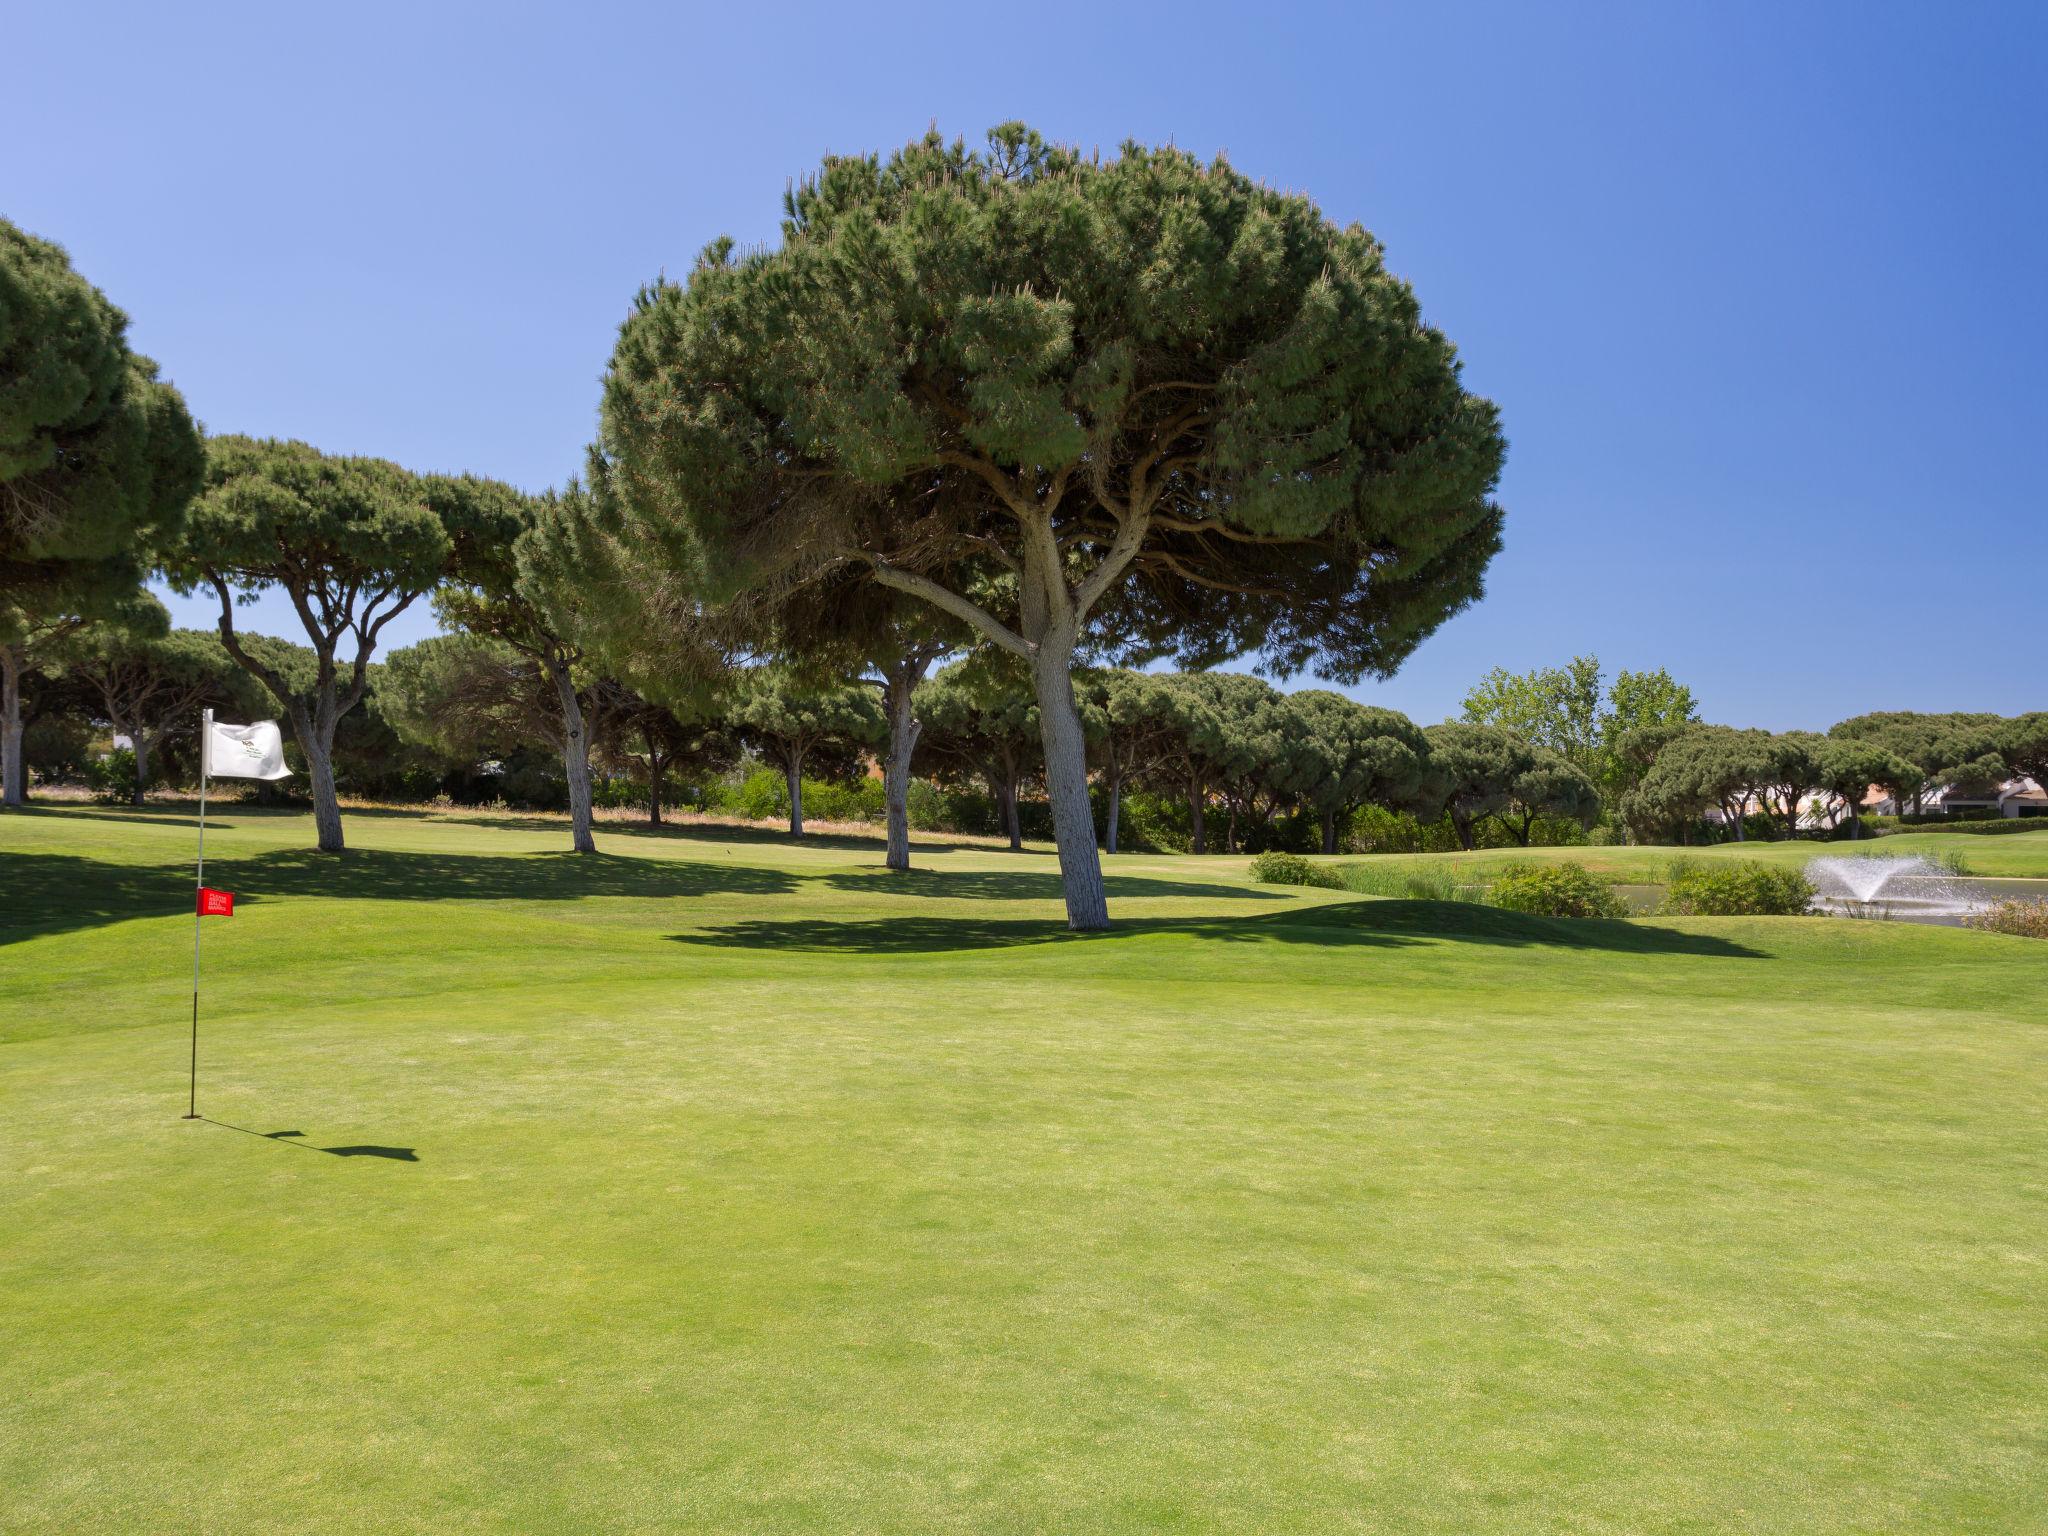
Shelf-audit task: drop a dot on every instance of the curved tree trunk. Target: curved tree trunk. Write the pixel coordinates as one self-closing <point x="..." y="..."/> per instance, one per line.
<point x="1462" y="825"/>
<point x="793" y="775"/>
<point x="1329" y="831"/>
<point x="13" y="772"/>
<point x="575" y="754"/>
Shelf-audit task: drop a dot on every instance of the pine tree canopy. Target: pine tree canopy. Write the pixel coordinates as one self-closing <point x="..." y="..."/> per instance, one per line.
<point x="1003" y="379"/>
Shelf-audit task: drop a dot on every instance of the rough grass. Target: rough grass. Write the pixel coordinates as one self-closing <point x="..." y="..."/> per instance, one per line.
<point x="2022" y="856"/>
<point x="754" y="1189"/>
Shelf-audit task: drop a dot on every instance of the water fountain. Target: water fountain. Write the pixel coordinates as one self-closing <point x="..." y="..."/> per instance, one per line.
<point x="1902" y="886"/>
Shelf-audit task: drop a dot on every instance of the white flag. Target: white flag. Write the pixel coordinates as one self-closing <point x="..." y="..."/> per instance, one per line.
<point x="245" y="751"/>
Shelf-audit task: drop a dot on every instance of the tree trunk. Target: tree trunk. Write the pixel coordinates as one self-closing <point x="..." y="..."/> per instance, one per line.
<point x="13" y="772"/>
<point x="141" y="740"/>
<point x="575" y="755"/>
<point x="793" y="773"/>
<point x="1462" y="825"/>
<point x="326" y="807"/>
<point x="1855" y="821"/>
<point x="1528" y="823"/>
<point x="1002" y="785"/>
<point x="1198" y="802"/>
<point x="1116" y="806"/>
<point x="1066" y="783"/>
<point x="655" y="768"/>
<point x="899" y="683"/>
<point x="1329" y="832"/>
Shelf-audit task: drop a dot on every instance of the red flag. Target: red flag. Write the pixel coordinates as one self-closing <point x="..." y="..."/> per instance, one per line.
<point x="214" y="903"/>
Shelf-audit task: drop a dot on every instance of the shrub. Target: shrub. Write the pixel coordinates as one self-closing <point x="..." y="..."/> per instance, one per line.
<point x="1555" y="890"/>
<point x="2020" y="917"/>
<point x="1275" y="868"/>
<point x="1735" y="888"/>
<point x="1995" y="827"/>
<point x="112" y="776"/>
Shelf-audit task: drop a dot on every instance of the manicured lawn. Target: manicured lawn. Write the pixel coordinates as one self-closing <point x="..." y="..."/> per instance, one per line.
<point x="752" y="1189"/>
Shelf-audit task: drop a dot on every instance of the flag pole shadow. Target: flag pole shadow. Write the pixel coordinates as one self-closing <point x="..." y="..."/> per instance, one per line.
<point x="289" y="1139"/>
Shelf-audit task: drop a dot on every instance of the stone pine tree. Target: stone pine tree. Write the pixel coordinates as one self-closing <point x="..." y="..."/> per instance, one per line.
<point x="2023" y="744"/>
<point x="657" y="741"/>
<point x="98" y="457"/>
<point x="509" y="587"/>
<point x="1144" y="402"/>
<point x="1476" y="768"/>
<point x="842" y="626"/>
<point x="152" y="682"/>
<point x="979" y="720"/>
<point x="351" y="542"/>
<point x="1943" y="748"/>
<point x="1846" y="768"/>
<point x="1337" y="755"/>
<point x="1554" y="786"/>
<point x="789" y="718"/>
<point x="1134" y="725"/>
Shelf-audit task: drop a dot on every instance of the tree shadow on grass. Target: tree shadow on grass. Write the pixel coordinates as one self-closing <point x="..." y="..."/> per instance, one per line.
<point x="55" y="893"/>
<point x="1381" y="924"/>
<point x="1028" y="885"/>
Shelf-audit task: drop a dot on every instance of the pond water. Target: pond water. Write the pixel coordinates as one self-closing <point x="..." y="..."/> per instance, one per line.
<point x="1938" y="899"/>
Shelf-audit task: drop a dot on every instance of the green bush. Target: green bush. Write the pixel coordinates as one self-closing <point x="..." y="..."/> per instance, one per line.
<point x="112" y="777"/>
<point x="1275" y="868"/>
<point x="1735" y="888"/>
<point x="1992" y="828"/>
<point x="1555" y="890"/>
<point x="2018" y="917"/>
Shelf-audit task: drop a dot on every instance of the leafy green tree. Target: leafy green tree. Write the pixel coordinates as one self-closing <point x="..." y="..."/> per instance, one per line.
<point x="352" y="542"/>
<point x="1336" y="755"/>
<point x="979" y="719"/>
<point x="787" y="717"/>
<point x="98" y="458"/>
<point x="153" y="682"/>
<point x="1476" y="769"/>
<point x="1645" y="711"/>
<point x="1145" y="402"/>
<point x="1555" y="707"/>
<point x="1942" y="748"/>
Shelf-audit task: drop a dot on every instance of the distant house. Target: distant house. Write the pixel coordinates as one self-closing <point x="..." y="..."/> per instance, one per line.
<point x="2015" y="797"/>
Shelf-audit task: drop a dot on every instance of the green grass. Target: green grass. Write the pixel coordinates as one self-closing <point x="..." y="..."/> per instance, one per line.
<point x="754" y="1189"/>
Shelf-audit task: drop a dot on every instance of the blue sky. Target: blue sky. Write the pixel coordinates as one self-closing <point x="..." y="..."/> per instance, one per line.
<point x="1759" y="288"/>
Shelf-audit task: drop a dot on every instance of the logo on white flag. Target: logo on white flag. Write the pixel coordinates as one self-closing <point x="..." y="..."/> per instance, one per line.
<point x="246" y="751"/>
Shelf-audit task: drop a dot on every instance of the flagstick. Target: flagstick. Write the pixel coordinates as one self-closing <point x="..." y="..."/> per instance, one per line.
<point x="198" y="883"/>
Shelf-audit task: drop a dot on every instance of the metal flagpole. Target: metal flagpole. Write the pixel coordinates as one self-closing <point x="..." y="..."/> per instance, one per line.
<point x="198" y="884"/>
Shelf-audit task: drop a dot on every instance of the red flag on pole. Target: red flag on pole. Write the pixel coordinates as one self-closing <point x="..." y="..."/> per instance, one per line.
<point x="214" y="903"/>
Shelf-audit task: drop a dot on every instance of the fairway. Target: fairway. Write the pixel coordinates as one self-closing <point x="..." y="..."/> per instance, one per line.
<point x="715" y="1183"/>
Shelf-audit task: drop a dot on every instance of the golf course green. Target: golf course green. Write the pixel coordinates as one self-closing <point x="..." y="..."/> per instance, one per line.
<point x="716" y="1183"/>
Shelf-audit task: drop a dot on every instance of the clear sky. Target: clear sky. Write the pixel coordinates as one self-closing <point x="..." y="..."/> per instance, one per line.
<point x="1762" y="290"/>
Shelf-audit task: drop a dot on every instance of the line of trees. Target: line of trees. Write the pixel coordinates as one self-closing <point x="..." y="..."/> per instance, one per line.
<point x="935" y="480"/>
